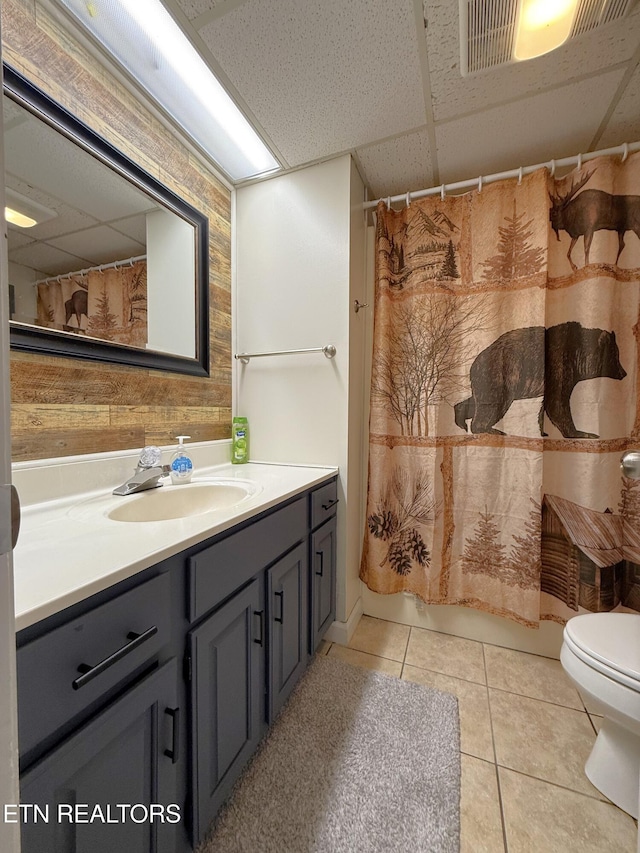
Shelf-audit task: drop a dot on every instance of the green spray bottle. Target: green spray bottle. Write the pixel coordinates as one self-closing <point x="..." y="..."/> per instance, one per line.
<point x="239" y="441"/>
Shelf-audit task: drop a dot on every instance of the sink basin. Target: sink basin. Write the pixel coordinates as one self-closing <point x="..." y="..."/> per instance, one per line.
<point x="170" y="502"/>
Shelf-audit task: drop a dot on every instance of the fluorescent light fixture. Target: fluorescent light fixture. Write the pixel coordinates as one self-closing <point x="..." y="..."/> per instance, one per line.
<point x="145" y="39"/>
<point x="543" y="25"/>
<point x="25" y="212"/>
<point x="19" y="219"/>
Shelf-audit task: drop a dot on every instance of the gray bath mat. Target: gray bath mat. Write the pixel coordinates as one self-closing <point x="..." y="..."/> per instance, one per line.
<point x="356" y="762"/>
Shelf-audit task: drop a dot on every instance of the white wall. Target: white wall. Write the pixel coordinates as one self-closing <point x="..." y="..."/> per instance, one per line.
<point x="170" y="271"/>
<point x="293" y="261"/>
<point x="358" y="402"/>
<point x="23" y="279"/>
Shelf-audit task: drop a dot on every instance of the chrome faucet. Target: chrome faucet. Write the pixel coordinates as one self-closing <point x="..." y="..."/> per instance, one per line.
<point x="147" y="474"/>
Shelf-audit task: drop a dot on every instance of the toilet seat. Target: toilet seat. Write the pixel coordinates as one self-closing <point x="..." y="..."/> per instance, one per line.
<point x="608" y="643"/>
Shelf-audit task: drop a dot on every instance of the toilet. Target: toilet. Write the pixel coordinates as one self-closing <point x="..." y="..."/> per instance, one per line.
<point x="601" y="655"/>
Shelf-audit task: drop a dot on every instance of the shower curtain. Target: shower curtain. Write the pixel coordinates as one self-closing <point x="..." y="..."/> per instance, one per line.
<point x="504" y="390"/>
<point x="109" y="303"/>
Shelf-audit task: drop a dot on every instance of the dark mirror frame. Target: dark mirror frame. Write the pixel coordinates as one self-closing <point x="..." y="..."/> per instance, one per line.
<point x="33" y="339"/>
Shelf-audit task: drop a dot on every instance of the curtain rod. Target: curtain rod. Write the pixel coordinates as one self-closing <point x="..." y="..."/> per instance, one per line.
<point x="577" y="160"/>
<point x="99" y="268"/>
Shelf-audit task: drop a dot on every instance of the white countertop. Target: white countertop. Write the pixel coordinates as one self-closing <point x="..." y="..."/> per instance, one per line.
<point x="69" y="549"/>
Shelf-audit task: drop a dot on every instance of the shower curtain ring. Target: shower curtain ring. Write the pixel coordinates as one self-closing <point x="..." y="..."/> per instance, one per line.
<point x="625" y="151"/>
<point x="519" y="175"/>
<point x="442" y="191"/>
<point x="579" y="162"/>
<point x="408" y="198"/>
<point x="553" y="168"/>
<point x="479" y="183"/>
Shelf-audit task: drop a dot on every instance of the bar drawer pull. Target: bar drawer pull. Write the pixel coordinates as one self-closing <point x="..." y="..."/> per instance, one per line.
<point x="260" y="615"/>
<point x="330" y="504"/>
<point x="321" y="555"/>
<point x="174" y="752"/>
<point x="90" y="672"/>
<point x="281" y="594"/>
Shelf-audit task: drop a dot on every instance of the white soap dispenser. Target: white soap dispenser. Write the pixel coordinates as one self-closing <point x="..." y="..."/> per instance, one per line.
<point x="181" y="464"/>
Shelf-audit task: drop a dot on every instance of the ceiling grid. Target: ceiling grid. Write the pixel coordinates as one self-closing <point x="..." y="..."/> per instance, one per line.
<point x="384" y="81"/>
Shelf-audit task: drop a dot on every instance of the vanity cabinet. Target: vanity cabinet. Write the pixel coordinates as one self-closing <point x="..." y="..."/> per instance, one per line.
<point x="156" y="692"/>
<point x="323" y="581"/>
<point x="322" y="562"/>
<point x="248" y="599"/>
<point x="100" y="721"/>
<point x="226" y="665"/>
<point x="287" y="584"/>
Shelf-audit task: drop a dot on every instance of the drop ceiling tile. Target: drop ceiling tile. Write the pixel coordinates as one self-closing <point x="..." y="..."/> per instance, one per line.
<point x="535" y="129"/>
<point x="68" y="218"/>
<point x="17" y="238"/>
<point x="99" y="245"/>
<point x="134" y="227"/>
<point x="397" y="165"/>
<point x="624" y="124"/>
<point x="322" y="78"/>
<point x="44" y="159"/>
<point x="12" y="113"/>
<point x="193" y="8"/>
<point x="47" y="260"/>
<point x="455" y="95"/>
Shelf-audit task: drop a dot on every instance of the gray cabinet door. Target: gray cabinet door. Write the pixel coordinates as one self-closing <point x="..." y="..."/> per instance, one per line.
<point x="323" y="580"/>
<point x="124" y="756"/>
<point x="227" y="699"/>
<point x="287" y="586"/>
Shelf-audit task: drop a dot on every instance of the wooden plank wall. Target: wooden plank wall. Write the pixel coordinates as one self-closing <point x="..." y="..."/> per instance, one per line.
<point x="64" y="406"/>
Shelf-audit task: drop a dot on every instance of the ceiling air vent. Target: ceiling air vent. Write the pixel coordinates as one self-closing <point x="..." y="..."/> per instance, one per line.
<point x="488" y="28"/>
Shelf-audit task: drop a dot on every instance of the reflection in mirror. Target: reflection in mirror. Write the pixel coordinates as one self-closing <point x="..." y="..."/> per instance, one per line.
<point x="104" y="262"/>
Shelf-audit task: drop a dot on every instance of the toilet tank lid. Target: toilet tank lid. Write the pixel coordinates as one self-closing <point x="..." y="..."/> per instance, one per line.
<point x="611" y="638"/>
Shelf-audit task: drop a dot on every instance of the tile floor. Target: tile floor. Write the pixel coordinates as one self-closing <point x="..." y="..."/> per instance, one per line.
<point x="525" y="735"/>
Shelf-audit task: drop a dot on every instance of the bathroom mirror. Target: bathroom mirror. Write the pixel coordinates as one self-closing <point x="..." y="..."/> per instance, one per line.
<point x="109" y="265"/>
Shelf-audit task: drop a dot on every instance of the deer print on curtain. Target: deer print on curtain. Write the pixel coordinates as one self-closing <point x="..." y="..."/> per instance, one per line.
<point x="504" y="389"/>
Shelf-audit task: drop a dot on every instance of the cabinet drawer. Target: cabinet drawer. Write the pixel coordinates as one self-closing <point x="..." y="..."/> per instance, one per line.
<point x="216" y="572"/>
<point x="323" y="503"/>
<point x="68" y="670"/>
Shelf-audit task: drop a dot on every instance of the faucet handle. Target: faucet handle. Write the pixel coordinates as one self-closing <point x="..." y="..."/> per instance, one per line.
<point x="150" y="457"/>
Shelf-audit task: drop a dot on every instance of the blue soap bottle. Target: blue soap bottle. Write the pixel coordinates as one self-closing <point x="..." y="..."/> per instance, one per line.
<point x="181" y="464"/>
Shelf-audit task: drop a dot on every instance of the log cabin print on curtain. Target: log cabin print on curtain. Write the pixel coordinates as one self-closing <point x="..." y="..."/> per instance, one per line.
<point x="504" y="390"/>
